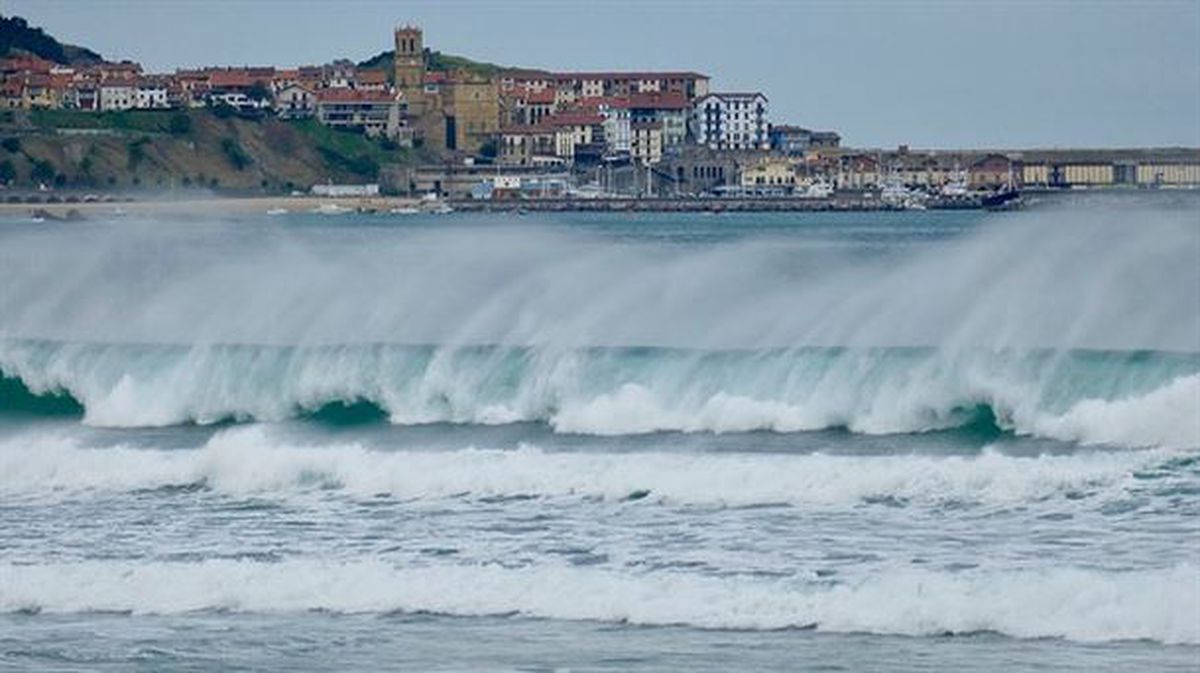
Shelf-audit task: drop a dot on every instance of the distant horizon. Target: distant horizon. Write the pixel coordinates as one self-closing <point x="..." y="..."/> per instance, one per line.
<point x="974" y="76"/>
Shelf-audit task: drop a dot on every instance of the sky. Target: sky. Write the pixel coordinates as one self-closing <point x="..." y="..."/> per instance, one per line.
<point x="928" y="73"/>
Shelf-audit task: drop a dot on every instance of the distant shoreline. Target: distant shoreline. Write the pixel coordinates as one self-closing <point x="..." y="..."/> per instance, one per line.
<point x="260" y="205"/>
<point x="230" y="205"/>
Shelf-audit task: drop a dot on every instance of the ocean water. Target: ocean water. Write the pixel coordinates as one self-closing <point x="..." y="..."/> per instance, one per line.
<point x="841" y="442"/>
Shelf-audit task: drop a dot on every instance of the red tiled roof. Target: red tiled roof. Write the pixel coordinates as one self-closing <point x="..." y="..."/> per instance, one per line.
<point x="434" y="78"/>
<point x="26" y="64"/>
<point x="658" y="101"/>
<point x="230" y="78"/>
<point x="372" y="77"/>
<point x="537" y="96"/>
<point x="636" y="74"/>
<point x="574" y="119"/>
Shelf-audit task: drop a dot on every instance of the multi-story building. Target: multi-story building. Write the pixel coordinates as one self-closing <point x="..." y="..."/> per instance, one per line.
<point x="118" y="95"/>
<point x="576" y="85"/>
<point x="646" y="142"/>
<point x="578" y="135"/>
<point x="798" y="140"/>
<point x="770" y="175"/>
<point x="295" y="102"/>
<point x="732" y="121"/>
<point x="529" y="146"/>
<point x="150" y="95"/>
<point x="372" y="112"/>
<point x="669" y="109"/>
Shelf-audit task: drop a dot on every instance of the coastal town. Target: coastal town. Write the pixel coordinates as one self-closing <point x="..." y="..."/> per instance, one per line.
<point x="475" y="132"/>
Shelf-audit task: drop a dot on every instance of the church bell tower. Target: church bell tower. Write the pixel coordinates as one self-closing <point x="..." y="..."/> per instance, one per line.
<point x="409" y="67"/>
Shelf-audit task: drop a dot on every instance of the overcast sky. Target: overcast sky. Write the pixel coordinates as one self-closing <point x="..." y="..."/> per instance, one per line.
<point x="931" y="74"/>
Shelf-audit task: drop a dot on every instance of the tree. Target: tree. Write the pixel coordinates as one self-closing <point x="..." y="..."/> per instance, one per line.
<point x="13" y="145"/>
<point x="8" y="172"/>
<point x="258" y="91"/>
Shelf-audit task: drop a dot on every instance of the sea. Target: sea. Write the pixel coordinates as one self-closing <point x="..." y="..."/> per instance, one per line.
<point x="494" y="442"/>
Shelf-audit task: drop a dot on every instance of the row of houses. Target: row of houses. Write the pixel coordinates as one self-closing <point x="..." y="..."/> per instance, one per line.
<point x="779" y="172"/>
<point x="526" y="117"/>
<point x="337" y="94"/>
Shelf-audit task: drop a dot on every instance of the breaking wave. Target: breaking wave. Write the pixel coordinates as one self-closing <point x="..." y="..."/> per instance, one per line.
<point x="1076" y="604"/>
<point x="1138" y="398"/>
<point x="250" y="461"/>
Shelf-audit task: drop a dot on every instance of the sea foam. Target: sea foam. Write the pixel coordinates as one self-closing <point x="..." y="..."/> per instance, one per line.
<point x="1073" y="603"/>
<point x="253" y="460"/>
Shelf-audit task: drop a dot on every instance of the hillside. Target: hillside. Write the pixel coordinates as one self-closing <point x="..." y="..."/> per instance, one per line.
<point x="435" y="61"/>
<point x="18" y="38"/>
<point x="184" y="150"/>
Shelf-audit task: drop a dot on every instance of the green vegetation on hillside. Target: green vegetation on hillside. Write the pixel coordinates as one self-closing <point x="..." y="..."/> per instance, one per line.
<point x="185" y="148"/>
<point x="436" y="61"/>
<point x="17" y="37"/>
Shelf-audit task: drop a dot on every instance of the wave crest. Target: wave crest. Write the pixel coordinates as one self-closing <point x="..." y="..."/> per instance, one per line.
<point x="1092" y="397"/>
<point x="251" y="461"/>
<point x="1077" y="604"/>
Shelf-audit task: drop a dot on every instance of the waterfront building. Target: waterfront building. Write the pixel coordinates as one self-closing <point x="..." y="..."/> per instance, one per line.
<point x="668" y="109"/>
<point x="1168" y="174"/>
<point x="736" y="121"/>
<point x="857" y="171"/>
<point x="774" y="175"/>
<point x="618" y="129"/>
<point x="528" y="146"/>
<point x="578" y="135"/>
<point x="646" y="142"/>
<point x="992" y="171"/>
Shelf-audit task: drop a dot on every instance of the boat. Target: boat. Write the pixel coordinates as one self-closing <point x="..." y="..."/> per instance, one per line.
<point x="277" y="211"/>
<point x="957" y="187"/>
<point x="1005" y="199"/>
<point x="405" y="210"/>
<point x="331" y="209"/>
<point x="896" y="195"/>
<point x="818" y="189"/>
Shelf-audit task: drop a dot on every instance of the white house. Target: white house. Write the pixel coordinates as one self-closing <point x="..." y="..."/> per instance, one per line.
<point x="732" y="121"/>
<point x="150" y="96"/>
<point x="117" y="96"/>
<point x="295" y="102"/>
<point x="617" y="131"/>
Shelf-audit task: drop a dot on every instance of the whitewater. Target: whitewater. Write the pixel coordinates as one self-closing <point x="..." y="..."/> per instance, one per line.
<point x="603" y="442"/>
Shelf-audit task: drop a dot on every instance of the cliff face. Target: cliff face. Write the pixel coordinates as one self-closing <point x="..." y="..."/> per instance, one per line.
<point x="183" y="149"/>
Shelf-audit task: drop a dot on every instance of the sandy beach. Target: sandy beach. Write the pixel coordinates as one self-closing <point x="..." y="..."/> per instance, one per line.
<point x="207" y="206"/>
